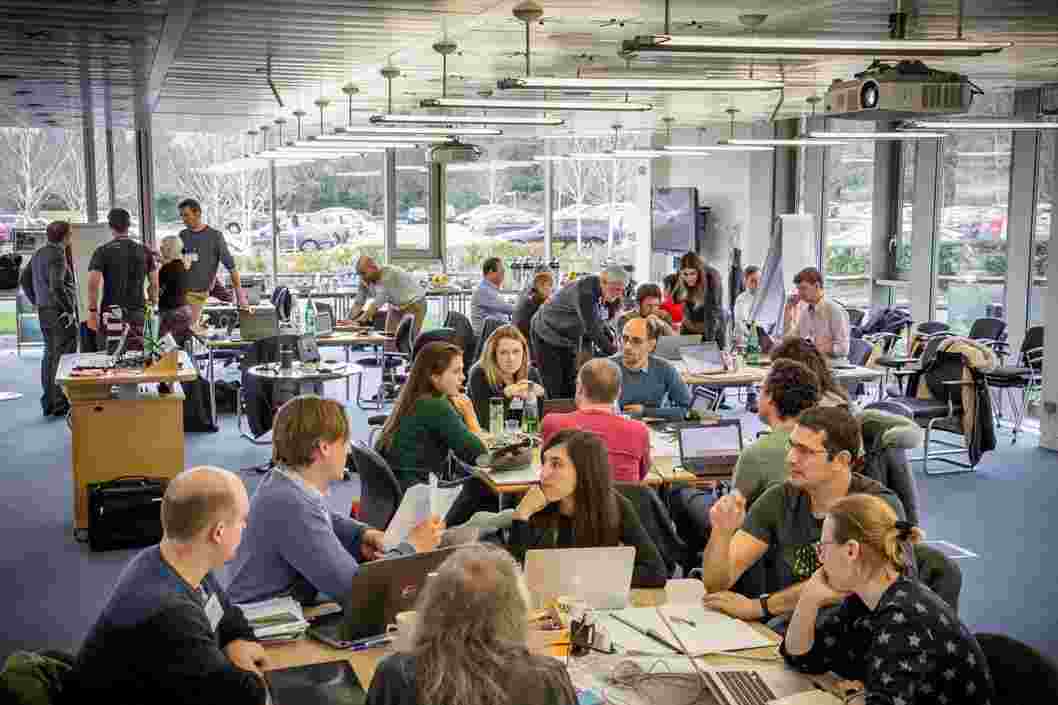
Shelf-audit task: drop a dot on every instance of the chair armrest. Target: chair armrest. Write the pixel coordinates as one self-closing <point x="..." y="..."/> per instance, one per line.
<point x="906" y="373"/>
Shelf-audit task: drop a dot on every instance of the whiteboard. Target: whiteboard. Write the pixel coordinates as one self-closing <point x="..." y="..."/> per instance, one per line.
<point x="798" y="243"/>
<point x="85" y="238"/>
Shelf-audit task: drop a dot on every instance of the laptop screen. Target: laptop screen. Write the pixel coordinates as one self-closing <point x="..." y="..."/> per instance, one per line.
<point x="324" y="324"/>
<point x="705" y="441"/>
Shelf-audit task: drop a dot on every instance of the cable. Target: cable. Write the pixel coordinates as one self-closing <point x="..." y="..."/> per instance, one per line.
<point x="631" y="676"/>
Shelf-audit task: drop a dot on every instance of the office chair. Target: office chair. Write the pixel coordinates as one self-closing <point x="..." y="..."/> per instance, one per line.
<point x="467" y="338"/>
<point x="380" y="493"/>
<point x="1027" y="376"/>
<point x="1017" y="669"/>
<point x="658" y="524"/>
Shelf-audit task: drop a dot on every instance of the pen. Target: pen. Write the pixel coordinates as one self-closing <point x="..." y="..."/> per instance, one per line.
<point x="364" y="646"/>
<point x="683" y="620"/>
<point x="646" y="632"/>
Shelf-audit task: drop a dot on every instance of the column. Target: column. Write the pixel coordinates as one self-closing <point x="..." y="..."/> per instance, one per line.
<point x="273" y="208"/>
<point x="389" y="203"/>
<point x="1021" y="215"/>
<point x="924" y="217"/>
<point x="145" y="175"/>
<point x="885" y="213"/>
<point x="436" y="217"/>
<point x="549" y="204"/>
<point x="815" y="184"/>
<point x="89" y="143"/>
<point x="1049" y="412"/>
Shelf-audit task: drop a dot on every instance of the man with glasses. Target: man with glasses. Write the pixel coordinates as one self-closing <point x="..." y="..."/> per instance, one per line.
<point x="650" y="386"/>
<point x="788" y="517"/>
<point x="388" y="285"/>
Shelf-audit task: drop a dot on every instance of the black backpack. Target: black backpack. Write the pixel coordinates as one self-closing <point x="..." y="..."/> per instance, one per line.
<point x="9" y="269"/>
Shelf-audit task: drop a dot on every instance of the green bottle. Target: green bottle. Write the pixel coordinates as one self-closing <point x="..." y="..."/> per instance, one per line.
<point x="753" y="345"/>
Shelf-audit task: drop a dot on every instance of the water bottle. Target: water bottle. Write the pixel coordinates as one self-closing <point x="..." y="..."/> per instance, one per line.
<point x="753" y="345"/>
<point x="496" y="414"/>
<point x="310" y="317"/>
<point x="531" y="415"/>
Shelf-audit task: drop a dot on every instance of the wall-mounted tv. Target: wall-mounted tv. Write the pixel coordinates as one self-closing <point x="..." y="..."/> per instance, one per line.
<point x="675" y="219"/>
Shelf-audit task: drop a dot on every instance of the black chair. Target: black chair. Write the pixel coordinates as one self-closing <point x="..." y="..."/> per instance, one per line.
<point x="923" y="333"/>
<point x="856" y="316"/>
<point x="992" y="332"/>
<point x="1026" y="375"/>
<point x="468" y="340"/>
<point x="391" y="378"/>
<point x="890" y="465"/>
<point x="859" y="352"/>
<point x="380" y="493"/>
<point x="939" y="573"/>
<point x="658" y="524"/>
<point x="1017" y="669"/>
<point x="487" y="329"/>
<point x="436" y="335"/>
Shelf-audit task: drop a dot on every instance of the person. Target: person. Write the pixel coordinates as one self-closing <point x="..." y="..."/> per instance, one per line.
<point x="503" y="371"/>
<point x="531" y="299"/>
<point x="648" y="305"/>
<point x="627" y="441"/>
<point x="469" y="643"/>
<point x="431" y="417"/>
<point x="650" y="386"/>
<point x="168" y="632"/>
<point x="206" y="249"/>
<point x="388" y="285"/>
<point x="891" y="632"/>
<point x="800" y="350"/>
<point x="175" y="313"/>
<point x="486" y="301"/>
<point x="809" y="314"/>
<point x="573" y="319"/>
<point x="294" y="544"/>
<point x="48" y="283"/>
<point x="822" y="447"/>
<point x="744" y="304"/>
<point x="701" y="293"/>
<point x="576" y="506"/>
<point x="119" y="268"/>
<point x="668" y="304"/>
<point x="789" y="389"/>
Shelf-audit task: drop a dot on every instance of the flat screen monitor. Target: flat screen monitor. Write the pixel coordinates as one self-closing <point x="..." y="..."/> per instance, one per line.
<point x="675" y="219"/>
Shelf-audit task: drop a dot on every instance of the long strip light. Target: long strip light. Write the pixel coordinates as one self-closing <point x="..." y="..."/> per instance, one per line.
<point x="639" y="84"/>
<point x="878" y="136"/>
<point x="663" y="44"/>
<point x="354" y="132"/>
<point x="718" y="148"/>
<point x="746" y="142"/>
<point x="980" y="125"/>
<point x="491" y="104"/>
<point x="333" y="140"/>
<point x="465" y="120"/>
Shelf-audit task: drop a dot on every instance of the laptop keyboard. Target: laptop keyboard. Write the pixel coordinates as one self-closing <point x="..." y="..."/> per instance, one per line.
<point x="746" y="687"/>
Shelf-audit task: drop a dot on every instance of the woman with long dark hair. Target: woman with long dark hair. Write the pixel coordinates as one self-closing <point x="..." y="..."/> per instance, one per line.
<point x="577" y="506"/>
<point x="701" y="292"/>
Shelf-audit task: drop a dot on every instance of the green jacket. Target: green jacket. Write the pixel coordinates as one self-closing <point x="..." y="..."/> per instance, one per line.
<point x="30" y="678"/>
<point x="424" y="438"/>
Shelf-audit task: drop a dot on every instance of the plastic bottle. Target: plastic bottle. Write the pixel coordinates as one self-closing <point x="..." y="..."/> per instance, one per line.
<point x="753" y="345"/>
<point x="496" y="414"/>
<point x="531" y="415"/>
<point x="309" y="327"/>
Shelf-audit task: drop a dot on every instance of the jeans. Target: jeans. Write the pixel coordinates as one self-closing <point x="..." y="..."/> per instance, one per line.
<point x="59" y="340"/>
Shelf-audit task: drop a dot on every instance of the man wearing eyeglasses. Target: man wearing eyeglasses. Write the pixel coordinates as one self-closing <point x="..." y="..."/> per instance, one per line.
<point x="391" y="285"/>
<point x="650" y="386"/>
<point x="821" y="450"/>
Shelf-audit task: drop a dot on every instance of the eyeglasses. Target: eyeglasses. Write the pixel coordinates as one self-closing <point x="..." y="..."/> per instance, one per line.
<point x="802" y="449"/>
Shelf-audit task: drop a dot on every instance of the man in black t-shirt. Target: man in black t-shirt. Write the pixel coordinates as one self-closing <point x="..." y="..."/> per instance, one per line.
<point x="205" y="249"/>
<point x="119" y="269"/>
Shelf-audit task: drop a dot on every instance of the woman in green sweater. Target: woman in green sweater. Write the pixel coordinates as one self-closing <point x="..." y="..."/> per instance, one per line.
<point x="576" y="506"/>
<point x="431" y="417"/>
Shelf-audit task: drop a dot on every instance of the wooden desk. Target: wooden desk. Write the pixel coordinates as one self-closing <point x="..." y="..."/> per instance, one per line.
<point x="141" y="433"/>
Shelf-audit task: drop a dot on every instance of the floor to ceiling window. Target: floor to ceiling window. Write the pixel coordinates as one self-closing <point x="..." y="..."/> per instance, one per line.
<point x="847" y="219"/>
<point x="1041" y="237"/>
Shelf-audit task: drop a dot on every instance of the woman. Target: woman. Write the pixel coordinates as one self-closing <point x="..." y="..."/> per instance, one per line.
<point x="801" y="350"/>
<point x="576" y="505"/>
<point x="468" y="645"/>
<point x="701" y="293"/>
<point x="902" y="641"/>
<point x="503" y="371"/>
<point x="174" y="312"/>
<point x="532" y="299"/>
<point x="431" y="417"/>
<point x="668" y="304"/>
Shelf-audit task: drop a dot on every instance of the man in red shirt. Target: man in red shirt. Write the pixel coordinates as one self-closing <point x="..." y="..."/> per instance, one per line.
<point x="627" y="441"/>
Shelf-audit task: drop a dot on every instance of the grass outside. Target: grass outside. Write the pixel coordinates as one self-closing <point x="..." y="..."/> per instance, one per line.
<point x="7" y="322"/>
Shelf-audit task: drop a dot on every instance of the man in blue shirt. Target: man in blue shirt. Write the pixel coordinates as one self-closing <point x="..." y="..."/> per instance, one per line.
<point x="486" y="301"/>
<point x="650" y="386"/>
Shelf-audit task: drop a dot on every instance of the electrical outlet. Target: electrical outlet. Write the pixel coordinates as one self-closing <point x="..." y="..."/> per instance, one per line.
<point x="1050" y="407"/>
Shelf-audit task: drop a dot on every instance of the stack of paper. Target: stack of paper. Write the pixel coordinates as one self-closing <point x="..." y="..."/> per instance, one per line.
<point x="278" y="619"/>
<point x="702" y="631"/>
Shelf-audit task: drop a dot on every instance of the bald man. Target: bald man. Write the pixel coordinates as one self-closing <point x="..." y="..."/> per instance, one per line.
<point x="388" y="285"/>
<point x="650" y="386"/>
<point x="168" y="633"/>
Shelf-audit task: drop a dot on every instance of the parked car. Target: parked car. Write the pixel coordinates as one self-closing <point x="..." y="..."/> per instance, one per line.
<point x="295" y="238"/>
<point x="344" y="223"/>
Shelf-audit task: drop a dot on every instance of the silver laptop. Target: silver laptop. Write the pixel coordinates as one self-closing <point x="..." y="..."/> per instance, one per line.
<point x="601" y="577"/>
<point x="710" y="449"/>
<point x="669" y="345"/>
<point x="324" y="324"/>
<point x="258" y="323"/>
<point x="736" y="685"/>
<point x="703" y="359"/>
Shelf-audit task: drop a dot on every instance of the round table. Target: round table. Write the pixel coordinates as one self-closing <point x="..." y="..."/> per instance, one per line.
<point x="300" y="372"/>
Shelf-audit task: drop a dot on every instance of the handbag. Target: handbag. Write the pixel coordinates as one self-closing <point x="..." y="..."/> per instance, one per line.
<point x="125" y="512"/>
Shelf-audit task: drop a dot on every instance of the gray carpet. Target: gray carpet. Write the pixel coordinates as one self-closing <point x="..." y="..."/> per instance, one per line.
<point x="55" y="587"/>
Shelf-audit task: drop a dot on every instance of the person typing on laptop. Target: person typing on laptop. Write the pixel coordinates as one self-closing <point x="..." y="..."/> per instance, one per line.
<point x="295" y="545"/>
<point x="168" y="632"/>
<point x="576" y="506"/>
<point x="650" y="386"/>
<point x="789" y="517"/>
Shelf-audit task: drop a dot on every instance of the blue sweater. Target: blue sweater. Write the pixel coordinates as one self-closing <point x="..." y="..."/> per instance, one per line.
<point x="659" y="388"/>
<point x="294" y="544"/>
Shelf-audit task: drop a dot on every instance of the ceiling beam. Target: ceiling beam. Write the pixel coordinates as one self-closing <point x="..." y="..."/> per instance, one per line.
<point x="176" y="24"/>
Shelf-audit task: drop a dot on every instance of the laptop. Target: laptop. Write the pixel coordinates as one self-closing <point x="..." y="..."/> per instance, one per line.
<point x="258" y="323"/>
<point x="315" y="684"/>
<point x="712" y="449"/>
<point x="734" y="685"/>
<point x="324" y="324"/>
<point x="703" y="359"/>
<point x="669" y="345"/>
<point x="601" y="577"/>
<point x="558" y="406"/>
<point x="379" y="591"/>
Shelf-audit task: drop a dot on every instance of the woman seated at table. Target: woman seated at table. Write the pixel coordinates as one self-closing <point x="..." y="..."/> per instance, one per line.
<point x="577" y="506"/>
<point x="800" y="350"/>
<point x="892" y="633"/>
<point x="468" y="645"/>
<point x="431" y="417"/>
<point x="503" y="371"/>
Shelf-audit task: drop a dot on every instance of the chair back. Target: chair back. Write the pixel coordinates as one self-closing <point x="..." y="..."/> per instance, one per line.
<point x="487" y="329"/>
<point x="939" y="573"/>
<point x="856" y="316"/>
<point x="945" y="367"/>
<point x="1032" y="348"/>
<point x="403" y="335"/>
<point x="859" y="351"/>
<point x="380" y="493"/>
<point x="467" y="340"/>
<point x="1016" y="668"/>
<point x="657" y="523"/>
<point x="324" y="307"/>
<point x="932" y="327"/>
<point x="988" y="329"/>
<point x="436" y="335"/>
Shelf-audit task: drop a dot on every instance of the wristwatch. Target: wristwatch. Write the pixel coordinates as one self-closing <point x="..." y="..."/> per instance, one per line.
<point x="764" y="606"/>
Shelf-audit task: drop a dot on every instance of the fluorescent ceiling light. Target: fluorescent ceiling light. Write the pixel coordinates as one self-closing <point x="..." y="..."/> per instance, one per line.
<point x="466" y="120"/>
<point x="353" y="132"/>
<point x="357" y="146"/>
<point x="782" y="143"/>
<point x="755" y="44"/>
<point x="551" y="158"/>
<point x="718" y="148"/>
<point x="485" y="104"/>
<point x="358" y="173"/>
<point x="982" y="154"/>
<point x="878" y="136"/>
<point x="336" y="140"/>
<point x="981" y="125"/>
<point x="657" y="153"/>
<point x="640" y="84"/>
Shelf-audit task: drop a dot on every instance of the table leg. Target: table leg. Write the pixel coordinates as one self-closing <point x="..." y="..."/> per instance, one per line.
<point x="381" y="358"/>
<point x="347" y="397"/>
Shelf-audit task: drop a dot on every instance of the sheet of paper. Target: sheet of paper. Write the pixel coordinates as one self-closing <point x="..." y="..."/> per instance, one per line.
<point x="711" y="631"/>
<point x="419" y="502"/>
<point x="663" y="445"/>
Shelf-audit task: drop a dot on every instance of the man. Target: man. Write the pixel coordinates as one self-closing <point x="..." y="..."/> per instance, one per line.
<point x="48" y="284"/>
<point x="168" y="633"/>
<point x="205" y="248"/>
<point x="119" y="269"/>
<point x="295" y="545"/>
<point x="486" y="301"/>
<point x="388" y="285"/>
<point x="574" y="319"/>
<point x="789" y="389"/>
<point x="822" y="447"/>
<point x="744" y="304"/>
<point x="648" y="304"/>
<point x="650" y="386"/>
<point x="824" y="322"/>
<point x="627" y="441"/>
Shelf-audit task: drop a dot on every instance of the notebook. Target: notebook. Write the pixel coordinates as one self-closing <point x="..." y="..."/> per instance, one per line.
<point x="702" y="631"/>
<point x="710" y="449"/>
<point x="331" y="683"/>
<point x="601" y="577"/>
<point x="668" y="346"/>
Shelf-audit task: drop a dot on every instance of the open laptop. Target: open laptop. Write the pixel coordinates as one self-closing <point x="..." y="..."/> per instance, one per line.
<point x="324" y="324"/>
<point x="735" y="685"/>
<point x="703" y="359"/>
<point x="315" y="684"/>
<point x="258" y="323"/>
<point x="712" y="449"/>
<point x="669" y="345"/>
<point x="379" y="591"/>
<point x="601" y="577"/>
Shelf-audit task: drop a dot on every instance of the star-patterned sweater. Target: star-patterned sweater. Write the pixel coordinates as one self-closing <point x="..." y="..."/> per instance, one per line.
<point x="911" y="650"/>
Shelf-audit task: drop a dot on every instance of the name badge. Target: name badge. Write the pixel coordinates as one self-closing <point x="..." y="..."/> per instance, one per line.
<point x="192" y="257"/>
<point x="214" y="612"/>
